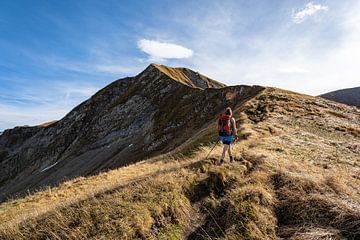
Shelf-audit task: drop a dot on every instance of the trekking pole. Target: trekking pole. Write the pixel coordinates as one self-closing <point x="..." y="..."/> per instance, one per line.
<point x="212" y="148"/>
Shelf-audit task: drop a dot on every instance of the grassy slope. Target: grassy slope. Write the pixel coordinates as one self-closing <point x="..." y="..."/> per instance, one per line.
<point x="298" y="178"/>
<point x="314" y="149"/>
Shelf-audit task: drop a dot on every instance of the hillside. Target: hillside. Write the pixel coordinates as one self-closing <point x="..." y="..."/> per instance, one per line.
<point x="129" y="120"/>
<point x="296" y="177"/>
<point x="349" y="96"/>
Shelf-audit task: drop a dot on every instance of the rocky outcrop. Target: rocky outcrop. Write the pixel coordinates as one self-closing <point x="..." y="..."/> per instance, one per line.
<point x="127" y="121"/>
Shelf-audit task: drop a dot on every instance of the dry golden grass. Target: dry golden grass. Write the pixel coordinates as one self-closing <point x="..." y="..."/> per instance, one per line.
<point x="178" y="74"/>
<point x="81" y="188"/>
<point x="313" y="164"/>
<point x="160" y="205"/>
<point x="336" y="114"/>
<point x="47" y="124"/>
<point x="175" y="74"/>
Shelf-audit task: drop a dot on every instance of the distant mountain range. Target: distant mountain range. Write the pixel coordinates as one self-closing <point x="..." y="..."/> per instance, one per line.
<point x="349" y="96"/>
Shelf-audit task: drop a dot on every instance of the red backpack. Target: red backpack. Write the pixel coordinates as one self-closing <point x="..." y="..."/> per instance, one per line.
<point x="224" y="125"/>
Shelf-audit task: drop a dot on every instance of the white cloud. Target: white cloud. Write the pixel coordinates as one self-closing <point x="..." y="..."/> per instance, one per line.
<point x="162" y="50"/>
<point x="309" y="10"/>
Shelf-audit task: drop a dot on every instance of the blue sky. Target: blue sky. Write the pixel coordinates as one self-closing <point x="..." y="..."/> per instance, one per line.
<point x="55" y="54"/>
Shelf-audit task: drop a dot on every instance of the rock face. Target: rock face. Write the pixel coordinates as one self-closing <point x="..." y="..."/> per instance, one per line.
<point x="349" y="96"/>
<point x="127" y="121"/>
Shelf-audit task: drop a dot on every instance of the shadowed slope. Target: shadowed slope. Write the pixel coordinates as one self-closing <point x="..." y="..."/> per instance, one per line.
<point x="350" y="96"/>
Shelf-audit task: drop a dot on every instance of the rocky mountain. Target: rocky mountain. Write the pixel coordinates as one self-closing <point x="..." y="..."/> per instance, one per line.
<point x="129" y="120"/>
<point x="349" y="96"/>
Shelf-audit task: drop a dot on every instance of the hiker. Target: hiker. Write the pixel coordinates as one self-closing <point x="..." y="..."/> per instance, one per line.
<point x="226" y="126"/>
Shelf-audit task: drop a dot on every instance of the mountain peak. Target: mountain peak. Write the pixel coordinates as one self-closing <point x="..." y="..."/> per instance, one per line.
<point x="186" y="76"/>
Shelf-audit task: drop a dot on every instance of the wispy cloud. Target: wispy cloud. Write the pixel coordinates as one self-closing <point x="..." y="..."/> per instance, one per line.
<point x="292" y="70"/>
<point x="310" y="59"/>
<point x="11" y="116"/>
<point x="49" y="101"/>
<point x="163" y="50"/>
<point x="89" y="67"/>
<point x="115" y="69"/>
<point x="309" y="10"/>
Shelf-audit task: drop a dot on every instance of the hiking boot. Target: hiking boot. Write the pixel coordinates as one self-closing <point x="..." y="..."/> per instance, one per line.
<point x="231" y="158"/>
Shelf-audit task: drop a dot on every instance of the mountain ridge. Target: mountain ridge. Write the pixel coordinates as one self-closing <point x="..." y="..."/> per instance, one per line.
<point x="126" y="121"/>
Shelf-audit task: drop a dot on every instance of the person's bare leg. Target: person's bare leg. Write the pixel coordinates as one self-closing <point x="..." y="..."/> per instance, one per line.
<point x="230" y="153"/>
<point x="224" y="151"/>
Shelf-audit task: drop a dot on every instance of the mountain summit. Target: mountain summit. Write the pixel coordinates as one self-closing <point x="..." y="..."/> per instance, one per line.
<point x="188" y="77"/>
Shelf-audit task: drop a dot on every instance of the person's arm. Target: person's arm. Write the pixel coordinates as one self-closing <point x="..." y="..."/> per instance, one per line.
<point x="233" y="122"/>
